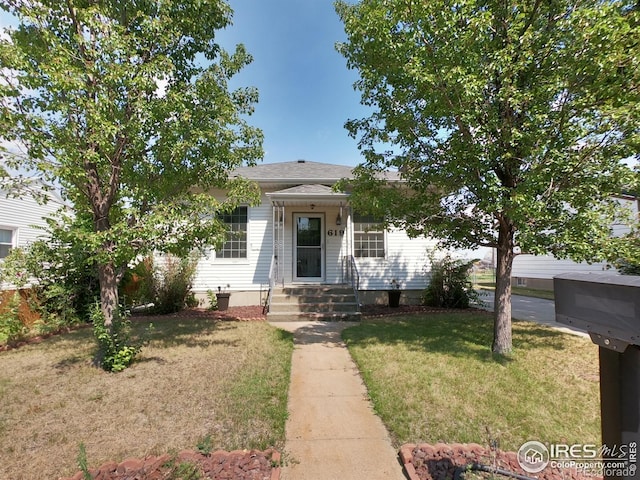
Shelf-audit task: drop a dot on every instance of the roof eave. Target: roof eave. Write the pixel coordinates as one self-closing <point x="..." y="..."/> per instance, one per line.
<point x="309" y="196"/>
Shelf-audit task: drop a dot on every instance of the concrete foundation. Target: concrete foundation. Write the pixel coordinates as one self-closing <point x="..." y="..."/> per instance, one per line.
<point x="380" y="297"/>
<point x="366" y="297"/>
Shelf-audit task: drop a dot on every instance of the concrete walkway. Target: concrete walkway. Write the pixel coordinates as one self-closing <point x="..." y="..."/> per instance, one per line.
<point x="332" y="432"/>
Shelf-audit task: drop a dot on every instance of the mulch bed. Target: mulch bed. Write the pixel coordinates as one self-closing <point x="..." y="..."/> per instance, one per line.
<point x="245" y="314"/>
<point x="255" y="313"/>
<point x="373" y="311"/>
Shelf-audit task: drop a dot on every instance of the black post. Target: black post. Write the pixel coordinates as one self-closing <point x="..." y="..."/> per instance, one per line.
<point x="608" y="307"/>
<point x="620" y="409"/>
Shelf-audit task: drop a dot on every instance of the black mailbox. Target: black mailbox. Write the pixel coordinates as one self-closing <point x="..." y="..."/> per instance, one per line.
<point x="608" y="307"/>
<point x="605" y="305"/>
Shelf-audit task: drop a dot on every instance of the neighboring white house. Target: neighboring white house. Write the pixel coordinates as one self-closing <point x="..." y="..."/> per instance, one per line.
<point x="537" y="271"/>
<point x="21" y="219"/>
<point x="305" y="233"/>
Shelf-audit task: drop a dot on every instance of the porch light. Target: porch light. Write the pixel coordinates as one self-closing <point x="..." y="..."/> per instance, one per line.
<point x="339" y="217"/>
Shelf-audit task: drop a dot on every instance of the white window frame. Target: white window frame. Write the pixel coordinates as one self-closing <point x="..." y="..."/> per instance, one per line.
<point x="382" y="231"/>
<point x="224" y="259"/>
<point x="14" y="237"/>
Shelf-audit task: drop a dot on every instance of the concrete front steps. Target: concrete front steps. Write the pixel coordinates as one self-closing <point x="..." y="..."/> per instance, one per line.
<point x="296" y="303"/>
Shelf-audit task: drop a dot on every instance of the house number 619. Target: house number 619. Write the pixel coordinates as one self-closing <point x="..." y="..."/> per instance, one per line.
<point x="335" y="233"/>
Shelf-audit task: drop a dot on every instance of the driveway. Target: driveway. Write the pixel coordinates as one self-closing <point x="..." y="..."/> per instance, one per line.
<point x="531" y="309"/>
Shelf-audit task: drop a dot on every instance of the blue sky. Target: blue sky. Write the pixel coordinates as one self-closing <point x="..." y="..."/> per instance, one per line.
<point x="306" y="90"/>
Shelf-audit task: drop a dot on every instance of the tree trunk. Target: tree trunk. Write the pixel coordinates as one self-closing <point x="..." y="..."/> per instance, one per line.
<point x="108" y="293"/>
<point x="502" y="342"/>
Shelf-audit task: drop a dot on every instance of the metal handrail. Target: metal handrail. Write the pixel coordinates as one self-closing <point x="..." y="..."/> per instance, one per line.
<point x="273" y="272"/>
<point x="351" y="274"/>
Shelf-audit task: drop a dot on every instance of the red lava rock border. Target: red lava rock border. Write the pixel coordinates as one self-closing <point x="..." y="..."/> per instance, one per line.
<point x="219" y="465"/>
<point x="440" y="461"/>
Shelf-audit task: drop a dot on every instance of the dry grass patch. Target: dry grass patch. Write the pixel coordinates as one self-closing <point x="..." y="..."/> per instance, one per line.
<point x="226" y="382"/>
<point x="433" y="378"/>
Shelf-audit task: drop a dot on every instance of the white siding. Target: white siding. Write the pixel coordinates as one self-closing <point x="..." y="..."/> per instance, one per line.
<point x="546" y="266"/>
<point x="23" y="216"/>
<point x="241" y="274"/>
<point x="406" y="261"/>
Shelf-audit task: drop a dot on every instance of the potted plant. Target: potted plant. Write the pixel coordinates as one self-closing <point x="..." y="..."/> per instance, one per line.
<point x="394" y="294"/>
<point x="222" y="297"/>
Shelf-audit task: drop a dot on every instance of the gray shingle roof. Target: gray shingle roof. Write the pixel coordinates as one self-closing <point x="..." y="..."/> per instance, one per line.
<point x="297" y="171"/>
<point x="307" y="190"/>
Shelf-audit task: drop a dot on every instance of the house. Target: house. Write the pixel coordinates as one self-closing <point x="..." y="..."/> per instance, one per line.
<point x="305" y="234"/>
<point x="537" y="271"/>
<point x="22" y="219"/>
<point x="21" y="223"/>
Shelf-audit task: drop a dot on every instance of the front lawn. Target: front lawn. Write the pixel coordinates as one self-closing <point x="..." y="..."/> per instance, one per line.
<point x="222" y="384"/>
<point x="433" y="378"/>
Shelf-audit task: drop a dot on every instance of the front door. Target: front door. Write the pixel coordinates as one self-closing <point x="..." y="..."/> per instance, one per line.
<point x="308" y="261"/>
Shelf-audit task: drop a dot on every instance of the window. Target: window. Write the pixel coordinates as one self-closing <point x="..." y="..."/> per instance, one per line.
<point x="236" y="243"/>
<point x="368" y="236"/>
<point x="6" y="242"/>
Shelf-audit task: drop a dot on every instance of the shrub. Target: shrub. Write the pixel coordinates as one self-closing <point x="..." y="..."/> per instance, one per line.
<point x="213" y="300"/>
<point x="449" y="286"/>
<point x="138" y="285"/>
<point x="173" y="282"/>
<point x="116" y="348"/>
<point x="628" y="268"/>
<point x="167" y="286"/>
<point x="12" y="329"/>
<point x="61" y="278"/>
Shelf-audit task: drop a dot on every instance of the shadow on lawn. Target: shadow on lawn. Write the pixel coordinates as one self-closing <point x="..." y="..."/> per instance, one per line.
<point x="166" y="332"/>
<point x="322" y="333"/>
<point x="190" y="332"/>
<point x="458" y="335"/>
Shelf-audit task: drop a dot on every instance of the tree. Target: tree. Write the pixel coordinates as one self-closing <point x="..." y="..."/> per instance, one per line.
<point x="507" y="121"/>
<point x="125" y="106"/>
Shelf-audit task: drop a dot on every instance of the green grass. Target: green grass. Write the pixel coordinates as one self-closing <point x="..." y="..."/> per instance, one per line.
<point x="483" y="277"/>
<point x="433" y="378"/>
<point x="197" y="379"/>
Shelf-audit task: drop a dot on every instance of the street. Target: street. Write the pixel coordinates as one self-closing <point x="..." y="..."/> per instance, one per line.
<point x="531" y="309"/>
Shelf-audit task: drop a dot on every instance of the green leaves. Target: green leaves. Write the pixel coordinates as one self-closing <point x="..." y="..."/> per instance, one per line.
<point x="125" y="105"/>
<point x="523" y="111"/>
<point x="509" y="123"/>
<point x="116" y="348"/>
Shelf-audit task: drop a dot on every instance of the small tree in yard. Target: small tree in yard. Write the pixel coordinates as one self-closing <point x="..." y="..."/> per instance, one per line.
<point x="125" y="106"/>
<point x="508" y="123"/>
